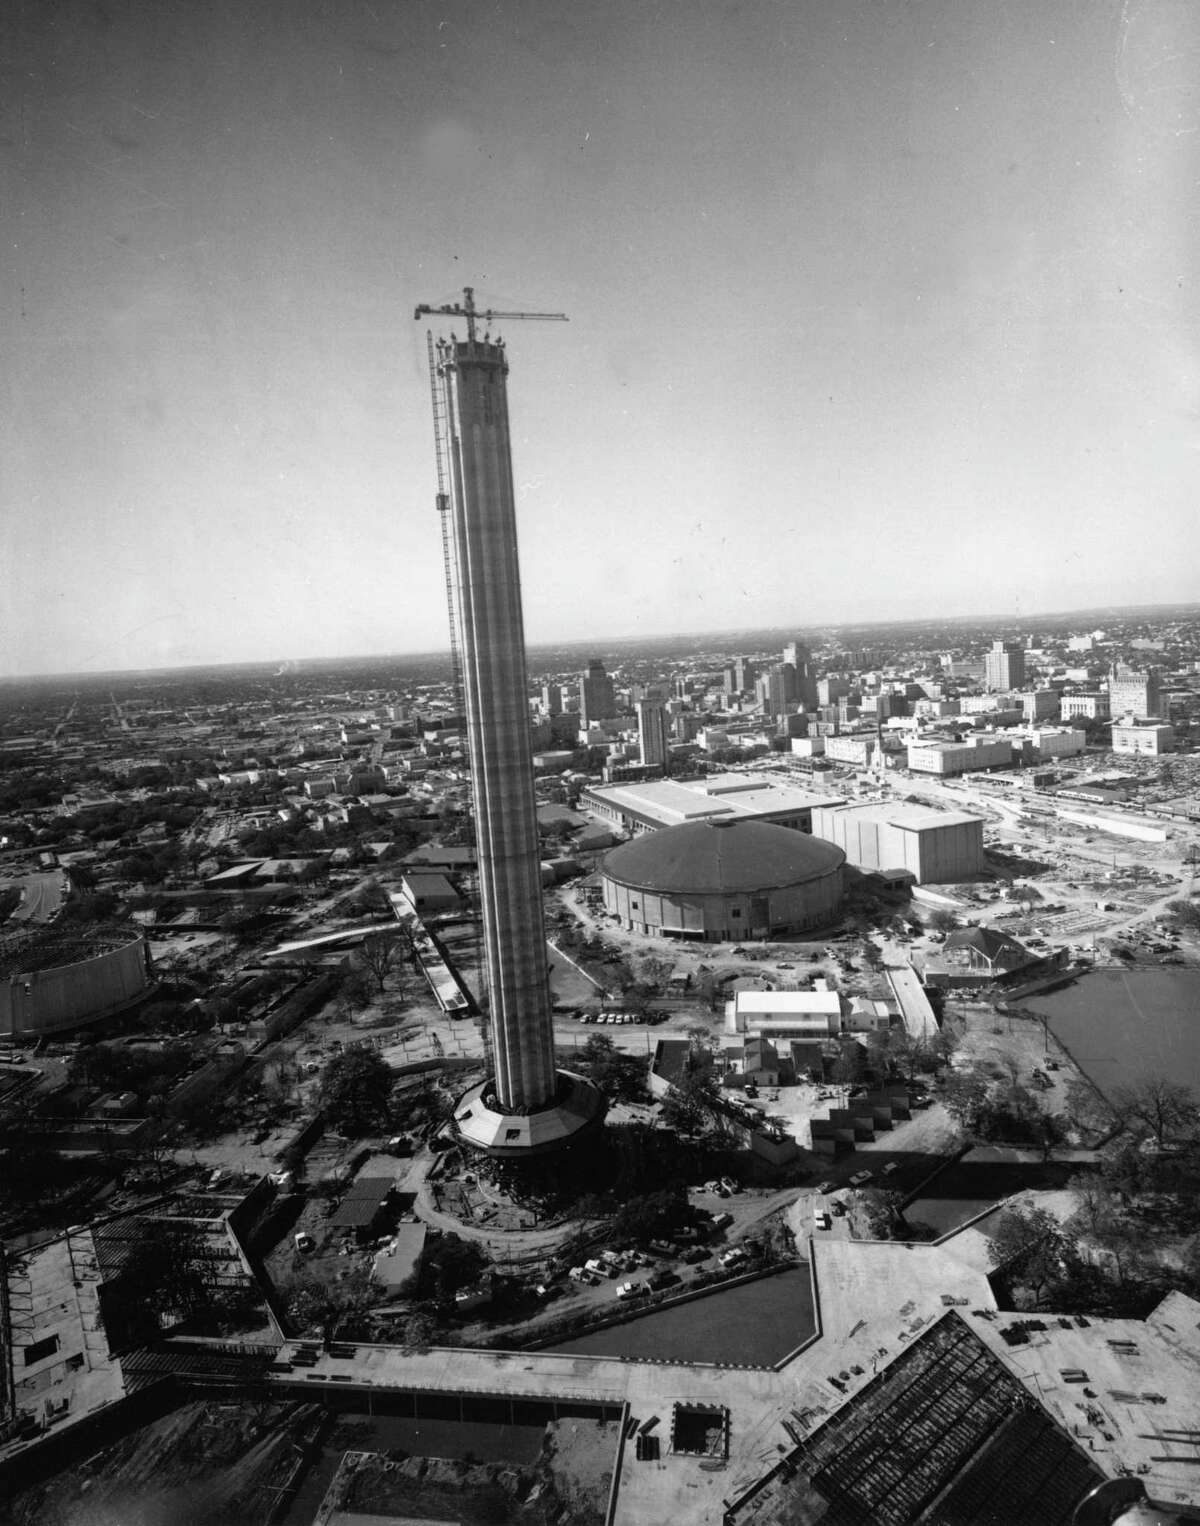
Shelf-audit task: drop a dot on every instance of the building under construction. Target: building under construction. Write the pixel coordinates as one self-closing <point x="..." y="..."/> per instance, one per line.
<point x="526" y="1106"/>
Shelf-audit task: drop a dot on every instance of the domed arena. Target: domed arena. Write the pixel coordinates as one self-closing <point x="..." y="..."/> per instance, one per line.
<point x="723" y="880"/>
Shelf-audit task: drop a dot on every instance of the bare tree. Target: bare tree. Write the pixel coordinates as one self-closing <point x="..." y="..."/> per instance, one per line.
<point x="378" y="954"/>
<point x="1157" y="1107"/>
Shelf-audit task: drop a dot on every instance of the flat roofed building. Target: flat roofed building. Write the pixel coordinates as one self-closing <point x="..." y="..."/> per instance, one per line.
<point x="1089" y="707"/>
<point x="1150" y="739"/>
<point x="1134" y="693"/>
<point x="649" y="805"/>
<point x="935" y="847"/>
<point x="653" y="740"/>
<point x="1047" y="741"/>
<point x="430" y="892"/>
<point x="959" y="757"/>
<point x="597" y="700"/>
<point x="1004" y="665"/>
<point x="857" y="750"/>
<point x="785" y="1014"/>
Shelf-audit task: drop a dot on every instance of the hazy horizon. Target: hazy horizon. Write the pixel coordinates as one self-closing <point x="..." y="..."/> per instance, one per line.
<point x="604" y="645"/>
<point x="876" y="310"/>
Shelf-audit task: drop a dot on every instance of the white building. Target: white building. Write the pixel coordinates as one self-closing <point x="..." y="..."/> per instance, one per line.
<point x="1151" y="739"/>
<point x="1048" y="741"/>
<point x="653" y="803"/>
<point x="934" y="847"/>
<point x="858" y="750"/>
<point x="785" y="1014"/>
<point x="947" y="758"/>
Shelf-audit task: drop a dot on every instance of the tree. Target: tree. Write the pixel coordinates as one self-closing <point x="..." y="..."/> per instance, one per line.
<point x="1185" y="913"/>
<point x="355" y="1090"/>
<point x="850" y="1065"/>
<point x="881" y="1209"/>
<point x="419" y="1332"/>
<point x="652" y="1216"/>
<point x="1031" y="1246"/>
<point x="942" y="920"/>
<point x="448" y="1264"/>
<point x="1156" y="1107"/>
<point x="1086" y="1107"/>
<point x="621" y="1077"/>
<point x="965" y="1094"/>
<point x="689" y="1106"/>
<point x="378" y="954"/>
<point x="166" y="1277"/>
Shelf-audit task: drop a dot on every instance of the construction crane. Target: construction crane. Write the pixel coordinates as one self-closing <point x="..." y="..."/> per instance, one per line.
<point x="467" y="309"/>
<point x="441" y="424"/>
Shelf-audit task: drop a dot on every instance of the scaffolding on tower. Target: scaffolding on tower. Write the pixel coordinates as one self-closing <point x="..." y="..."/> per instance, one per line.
<point x="437" y="390"/>
<point x="441" y="443"/>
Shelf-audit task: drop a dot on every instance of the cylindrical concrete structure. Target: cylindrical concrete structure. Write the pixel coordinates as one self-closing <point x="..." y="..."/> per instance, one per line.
<point x="498" y="733"/>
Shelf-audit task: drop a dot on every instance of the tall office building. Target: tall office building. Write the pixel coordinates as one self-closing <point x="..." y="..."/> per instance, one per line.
<point x="1004" y="666"/>
<point x="652" y="734"/>
<point x="597" y="701"/>
<point x="740" y="678"/>
<point x="775" y="690"/>
<point x="552" y="699"/>
<point x="804" y="686"/>
<point x="527" y="1106"/>
<point x="1134" y="693"/>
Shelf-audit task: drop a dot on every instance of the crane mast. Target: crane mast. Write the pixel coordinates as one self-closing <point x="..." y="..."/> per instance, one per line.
<point x="440" y="429"/>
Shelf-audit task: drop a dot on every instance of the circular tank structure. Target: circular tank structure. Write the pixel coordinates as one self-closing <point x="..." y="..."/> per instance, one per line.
<point x="720" y="881"/>
<point x="50" y="985"/>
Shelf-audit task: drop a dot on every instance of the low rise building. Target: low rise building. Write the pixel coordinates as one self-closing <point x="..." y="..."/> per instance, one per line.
<point x="1150" y="738"/>
<point x="933" y="847"/>
<point x="858" y="750"/>
<point x="946" y="758"/>
<point x="1041" y="742"/>
<point x="648" y="805"/>
<point x="785" y="1014"/>
<point x="1087" y="707"/>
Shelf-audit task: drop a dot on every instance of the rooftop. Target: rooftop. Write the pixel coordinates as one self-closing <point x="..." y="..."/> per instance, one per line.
<point x="668" y="802"/>
<point x="910" y="818"/>
<point x="722" y="858"/>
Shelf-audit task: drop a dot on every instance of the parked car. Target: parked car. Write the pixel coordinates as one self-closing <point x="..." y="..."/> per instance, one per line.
<point x="305" y="1243"/>
<point x="860" y="1177"/>
<point x="825" y="1186"/>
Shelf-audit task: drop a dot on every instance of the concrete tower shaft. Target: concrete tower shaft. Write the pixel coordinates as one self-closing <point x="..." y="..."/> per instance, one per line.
<point x="498" y="735"/>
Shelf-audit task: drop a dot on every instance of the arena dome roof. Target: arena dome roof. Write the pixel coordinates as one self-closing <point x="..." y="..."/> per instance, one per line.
<point x="722" y="858"/>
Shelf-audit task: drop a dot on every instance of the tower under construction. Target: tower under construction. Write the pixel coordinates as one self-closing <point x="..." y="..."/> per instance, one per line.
<point x="527" y="1105"/>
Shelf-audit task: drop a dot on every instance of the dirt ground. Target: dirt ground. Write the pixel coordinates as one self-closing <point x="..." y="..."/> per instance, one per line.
<point x="582" y="1456"/>
<point x="201" y="1463"/>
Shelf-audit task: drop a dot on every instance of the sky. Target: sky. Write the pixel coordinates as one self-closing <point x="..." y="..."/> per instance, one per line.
<point x="879" y="309"/>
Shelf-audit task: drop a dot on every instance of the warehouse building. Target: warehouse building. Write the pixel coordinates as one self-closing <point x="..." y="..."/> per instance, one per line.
<point x="647" y="805"/>
<point x="934" y="847"/>
<point x="723" y="880"/>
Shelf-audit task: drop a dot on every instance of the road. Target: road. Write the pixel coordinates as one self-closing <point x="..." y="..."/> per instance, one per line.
<point x="41" y="897"/>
